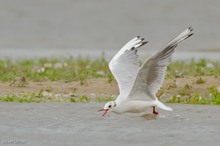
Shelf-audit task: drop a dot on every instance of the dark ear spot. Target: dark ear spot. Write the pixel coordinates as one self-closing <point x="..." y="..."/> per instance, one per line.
<point x="114" y="104"/>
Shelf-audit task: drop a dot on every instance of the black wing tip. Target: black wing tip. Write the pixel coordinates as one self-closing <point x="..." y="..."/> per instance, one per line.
<point x="190" y="34"/>
<point x="145" y="42"/>
<point x="190" y="28"/>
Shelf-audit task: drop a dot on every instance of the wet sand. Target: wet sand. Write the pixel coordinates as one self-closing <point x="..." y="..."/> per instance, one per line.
<point x="80" y="124"/>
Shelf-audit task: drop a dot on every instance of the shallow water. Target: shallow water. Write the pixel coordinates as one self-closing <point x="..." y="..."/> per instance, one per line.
<point x="88" y="28"/>
<point x="81" y="124"/>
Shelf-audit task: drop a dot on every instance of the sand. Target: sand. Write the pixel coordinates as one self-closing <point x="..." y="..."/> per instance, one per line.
<point x="102" y="88"/>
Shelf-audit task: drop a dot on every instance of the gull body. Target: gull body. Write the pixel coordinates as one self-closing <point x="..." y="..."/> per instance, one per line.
<point x="138" y="85"/>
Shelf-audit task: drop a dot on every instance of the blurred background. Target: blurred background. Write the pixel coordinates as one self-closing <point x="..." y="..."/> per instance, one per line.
<point x="44" y="28"/>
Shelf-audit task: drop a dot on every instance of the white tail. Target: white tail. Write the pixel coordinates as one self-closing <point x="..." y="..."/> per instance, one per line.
<point x="162" y="106"/>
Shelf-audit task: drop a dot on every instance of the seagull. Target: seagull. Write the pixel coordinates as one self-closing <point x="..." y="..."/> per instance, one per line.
<point x="138" y="85"/>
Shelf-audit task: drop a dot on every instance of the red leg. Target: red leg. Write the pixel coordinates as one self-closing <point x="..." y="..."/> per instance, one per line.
<point x="154" y="112"/>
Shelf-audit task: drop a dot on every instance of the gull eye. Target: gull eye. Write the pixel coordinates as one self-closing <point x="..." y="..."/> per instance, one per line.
<point x="109" y="106"/>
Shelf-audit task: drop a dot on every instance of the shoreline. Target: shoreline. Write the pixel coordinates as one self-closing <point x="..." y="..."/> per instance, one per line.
<point x="101" y="88"/>
<point x="27" y="54"/>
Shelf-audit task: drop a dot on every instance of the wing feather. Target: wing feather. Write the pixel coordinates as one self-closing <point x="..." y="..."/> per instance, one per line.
<point x="124" y="65"/>
<point x="152" y="73"/>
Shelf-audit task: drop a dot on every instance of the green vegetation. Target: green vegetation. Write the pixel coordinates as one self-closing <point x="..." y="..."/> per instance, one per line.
<point x="200" y="80"/>
<point x="186" y="90"/>
<point x="81" y="69"/>
<point x="44" y="69"/>
<point x="196" y="98"/>
<point x="193" y="68"/>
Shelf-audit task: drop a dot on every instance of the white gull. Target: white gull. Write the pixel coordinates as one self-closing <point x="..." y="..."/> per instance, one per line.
<point x="138" y="86"/>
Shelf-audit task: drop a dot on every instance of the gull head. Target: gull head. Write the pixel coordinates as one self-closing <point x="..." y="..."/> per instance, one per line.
<point x="109" y="106"/>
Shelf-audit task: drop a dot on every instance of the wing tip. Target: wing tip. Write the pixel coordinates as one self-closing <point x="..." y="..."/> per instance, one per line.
<point x="190" y="28"/>
<point x="190" y="34"/>
<point x="141" y="44"/>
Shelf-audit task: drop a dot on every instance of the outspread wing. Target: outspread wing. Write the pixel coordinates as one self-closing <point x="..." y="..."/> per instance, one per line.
<point x="124" y="66"/>
<point x="151" y="74"/>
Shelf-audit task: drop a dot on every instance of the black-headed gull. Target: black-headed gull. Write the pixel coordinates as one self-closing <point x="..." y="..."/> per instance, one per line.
<point x="138" y="86"/>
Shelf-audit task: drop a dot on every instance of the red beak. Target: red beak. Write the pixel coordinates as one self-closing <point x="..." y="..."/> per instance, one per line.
<point x="106" y="110"/>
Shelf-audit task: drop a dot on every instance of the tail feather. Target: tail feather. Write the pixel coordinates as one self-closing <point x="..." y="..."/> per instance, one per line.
<point x="162" y="106"/>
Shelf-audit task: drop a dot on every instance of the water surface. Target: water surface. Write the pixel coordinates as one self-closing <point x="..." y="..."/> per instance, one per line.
<point x="32" y="28"/>
<point x="80" y="124"/>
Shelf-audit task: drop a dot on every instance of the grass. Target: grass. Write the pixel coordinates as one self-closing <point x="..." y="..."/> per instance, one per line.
<point x="198" y="68"/>
<point x="43" y="69"/>
<point x="200" y="80"/>
<point x="196" y="98"/>
<point x="81" y="69"/>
